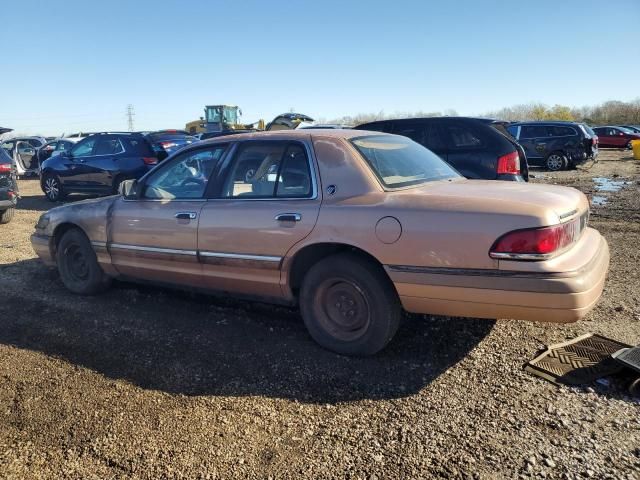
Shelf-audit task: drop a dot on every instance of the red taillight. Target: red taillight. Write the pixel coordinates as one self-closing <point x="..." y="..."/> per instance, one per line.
<point x="538" y="243"/>
<point x="5" y="167"/>
<point x="594" y="140"/>
<point x="509" y="163"/>
<point x="150" y="160"/>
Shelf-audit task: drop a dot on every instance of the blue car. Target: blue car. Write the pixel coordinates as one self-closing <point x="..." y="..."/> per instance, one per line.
<point x="97" y="165"/>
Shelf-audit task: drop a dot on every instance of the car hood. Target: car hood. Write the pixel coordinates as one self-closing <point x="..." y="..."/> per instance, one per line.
<point x="540" y="204"/>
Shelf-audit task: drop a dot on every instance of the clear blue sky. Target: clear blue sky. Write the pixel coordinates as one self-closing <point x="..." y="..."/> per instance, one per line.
<point x="75" y="65"/>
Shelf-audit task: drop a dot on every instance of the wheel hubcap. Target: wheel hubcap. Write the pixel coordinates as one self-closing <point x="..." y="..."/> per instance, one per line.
<point x="51" y="188"/>
<point x="77" y="263"/>
<point x="554" y="162"/>
<point x="345" y="309"/>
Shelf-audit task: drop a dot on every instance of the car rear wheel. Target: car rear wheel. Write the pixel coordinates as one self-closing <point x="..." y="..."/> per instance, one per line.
<point x="556" y="161"/>
<point x="349" y="305"/>
<point x="78" y="264"/>
<point x="52" y="188"/>
<point x="7" y="215"/>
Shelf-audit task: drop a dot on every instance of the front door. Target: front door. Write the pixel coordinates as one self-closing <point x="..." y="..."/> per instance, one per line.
<point x="255" y="219"/>
<point x="155" y="237"/>
<point x="75" y="163"/>
<point x="533" y="139"/>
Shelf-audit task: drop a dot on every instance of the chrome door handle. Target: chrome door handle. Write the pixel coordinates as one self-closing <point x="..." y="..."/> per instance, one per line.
<point x="186" y="215"/>
<point x="288" y="217"/>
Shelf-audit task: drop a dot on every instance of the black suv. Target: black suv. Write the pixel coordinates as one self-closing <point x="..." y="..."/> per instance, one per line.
<point x="8" y="185"/>
<point x="555" y="145"/>
<point x="478" y="148"/>
<point x="97" y="165"/>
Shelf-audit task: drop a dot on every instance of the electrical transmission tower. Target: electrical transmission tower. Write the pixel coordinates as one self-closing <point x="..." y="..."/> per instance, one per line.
<point x="130" y="115"/>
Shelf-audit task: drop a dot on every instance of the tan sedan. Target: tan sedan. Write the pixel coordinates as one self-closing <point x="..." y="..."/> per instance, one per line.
<point x="353" y="226"/>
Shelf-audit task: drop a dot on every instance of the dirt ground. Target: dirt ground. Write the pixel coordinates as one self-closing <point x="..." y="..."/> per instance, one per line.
<point x="142" y="382"/>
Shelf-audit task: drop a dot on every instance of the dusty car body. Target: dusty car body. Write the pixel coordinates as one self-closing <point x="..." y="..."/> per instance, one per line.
<point x="355" y="239"/>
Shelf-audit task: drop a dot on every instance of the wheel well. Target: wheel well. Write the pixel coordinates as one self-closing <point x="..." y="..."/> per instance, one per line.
<point x="312" y="254"/>
<point x="59" y="231"/>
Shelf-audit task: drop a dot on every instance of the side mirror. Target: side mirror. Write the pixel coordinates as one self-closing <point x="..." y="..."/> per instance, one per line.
<point x="129" y="189"/>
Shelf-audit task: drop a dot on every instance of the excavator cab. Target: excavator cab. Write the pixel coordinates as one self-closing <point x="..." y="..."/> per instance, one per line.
<point x="219" y="118"/>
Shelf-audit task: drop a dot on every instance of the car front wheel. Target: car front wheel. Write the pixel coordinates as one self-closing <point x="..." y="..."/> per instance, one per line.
<point x="556" y="161"/>
<point x="630" y="145"/>
<point x="78" y="264"/>
<point x="52" y="188"/>
<point x="349" y="305"/>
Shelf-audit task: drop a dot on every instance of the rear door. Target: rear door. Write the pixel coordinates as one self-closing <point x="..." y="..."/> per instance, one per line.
<point x="249" y="226"/>
<point x="155" y="237"/>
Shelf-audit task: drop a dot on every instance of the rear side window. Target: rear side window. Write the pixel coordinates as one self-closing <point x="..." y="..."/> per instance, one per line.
<point x="560" y="131"/>
<point x="513" y="131"/>
<point x="416" y="131"/>
<point x="138" y="146"/>
<point x="269" y="169"/>
<point x="461" y="136"/>
<point x="108" y="146"/>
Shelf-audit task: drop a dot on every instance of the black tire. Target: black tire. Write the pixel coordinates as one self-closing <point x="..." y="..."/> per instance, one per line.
<point x="349" y="305"/>
<point x="52" y="188"/>
<point x="556" y="161"/>
<point x="78" y="265"/>
<point x="629" y="145"/>
<point x="7" y="215"/>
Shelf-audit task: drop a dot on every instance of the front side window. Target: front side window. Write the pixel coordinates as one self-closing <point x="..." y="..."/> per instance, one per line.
<point x="268" y="170"/>
<point x="84" y="148"/>
<point x="400" y="162"/>
<point x="185" y="177"/>
<point x="533" y="131"/>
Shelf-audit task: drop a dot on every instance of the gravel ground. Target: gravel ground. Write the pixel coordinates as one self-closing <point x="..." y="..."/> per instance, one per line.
<point x="148" y="383"/>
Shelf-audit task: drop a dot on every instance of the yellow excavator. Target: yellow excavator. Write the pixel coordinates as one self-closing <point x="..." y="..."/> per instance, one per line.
<point x="225" y="119"/>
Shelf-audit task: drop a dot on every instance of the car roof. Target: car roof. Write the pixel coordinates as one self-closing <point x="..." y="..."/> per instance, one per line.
<point x="545" y="122"/>
<point x="292" y="135"/>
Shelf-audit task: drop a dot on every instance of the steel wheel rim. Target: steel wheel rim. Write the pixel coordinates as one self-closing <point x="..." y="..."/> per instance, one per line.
<point x="51" y="188"/>
<point x="76" y="262"/>
<point x="344" y="310"/>
<point x="554" y="162"/>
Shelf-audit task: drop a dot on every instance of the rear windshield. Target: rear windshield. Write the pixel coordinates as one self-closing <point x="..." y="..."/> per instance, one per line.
<point x="586" y="129"/>
<point x="401" y="162"/>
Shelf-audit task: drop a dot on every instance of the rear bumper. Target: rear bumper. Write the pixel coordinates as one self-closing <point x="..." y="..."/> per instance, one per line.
<point x="525" y="295"/>
<point x="42" y="246"/>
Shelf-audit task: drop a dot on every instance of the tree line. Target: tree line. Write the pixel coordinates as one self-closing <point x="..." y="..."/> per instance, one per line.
<point x="612" y="112"/>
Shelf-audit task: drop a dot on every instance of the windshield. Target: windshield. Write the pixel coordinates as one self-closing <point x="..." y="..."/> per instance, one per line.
<point x="230" y="116"/>
<point x="401" y="162"/>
